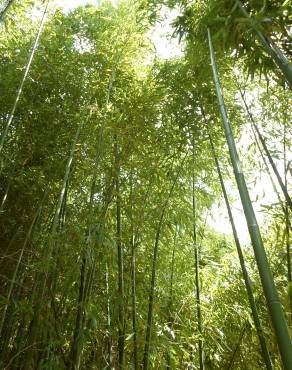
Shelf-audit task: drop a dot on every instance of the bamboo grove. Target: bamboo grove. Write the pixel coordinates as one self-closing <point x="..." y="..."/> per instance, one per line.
<point x="113" y="164"/>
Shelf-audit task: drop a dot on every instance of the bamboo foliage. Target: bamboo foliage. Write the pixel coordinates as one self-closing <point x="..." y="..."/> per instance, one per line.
<point x="121" y="265"/>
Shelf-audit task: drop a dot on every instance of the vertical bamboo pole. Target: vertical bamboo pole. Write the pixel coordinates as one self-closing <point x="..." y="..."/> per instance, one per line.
<point x="5" y="9"/>
<point x="121" y="315"/>
<point x="27" y="68"/>
<point x="153" y="276"/>
<point x="254" y="311"/>
<point x="276" y="54"/>
<point x="197" y="267"/>
<point x="274" y="304"/>
<point x="263" y="142"/>
<point x="133" y="278"/>
<point x="170" y="299"/>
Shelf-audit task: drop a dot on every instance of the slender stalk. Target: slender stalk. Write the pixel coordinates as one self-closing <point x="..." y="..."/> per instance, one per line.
<point x="267" y="168"/>
<point x="27" y="68"/>
<point x="13" y="280"/>
<point x="84" y="287"/>
<point x="109" y="330"/>
<point x="133" y="278"/>
<point x="170" y="299"/>
<point x="275" y="53"/>
<point x="274" y="304"/>
<point x="5" y="9"/>
<point x="237" y="347"/>
<point x="120" y="259"/>
<point x="5" y="194"/>
<point x="151" y="295"/>
<point x="197" y="269"/>
<point x="254" y="311"/>
<point x="57" y="215"/>
<point x="287" y="229"/>
<point x="153" y="278"/>
<point x="263" y="142"/>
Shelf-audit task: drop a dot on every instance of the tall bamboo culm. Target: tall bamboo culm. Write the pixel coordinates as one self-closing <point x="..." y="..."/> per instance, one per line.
<point x="145" y="365"/>
<point x="27" y="68"/>
<point x="268" y="154"/>
<point x="276" y="54"/>
<point x="254" y="311"/>
<point x="5" y="9"/>
<point x="274" y="304"/>
<point x="197" y="268"/>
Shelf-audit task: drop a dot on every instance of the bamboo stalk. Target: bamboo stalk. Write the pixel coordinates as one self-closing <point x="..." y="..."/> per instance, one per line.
<point x="26" y="71"/>
<point x="274" y="304"/>
<point x="109" y="330"/>
<point x="5" y="9"/>
<point x="276" y="54"/>
<point x="197" y="269"/>
<point x="121" y="319"/>
<point x="153" y="276"/>
<point x="263" y="142"/>
<point x="254" y="311"/>
<point x="76" y="350"/>
<point x="170" y="299"/>
<point x="133" y="278"/>
<point x="19" y="261"/>
<point x="287" y="228"/>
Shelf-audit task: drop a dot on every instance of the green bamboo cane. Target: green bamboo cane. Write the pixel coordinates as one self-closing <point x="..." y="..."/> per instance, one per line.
<point x="76" y="350"/>
<point x="27" y="68"/>
<point x="109" y="324"/>
<point x="121" y="314"/>
<point x="287" y="226"/>
<point x="19" y="261"/>
<point x="5" y="9"/>
<point x="272" y="49"/>
<point x="133" y="278"/>
<point x="197" y="268"/>
<point x="246" y="324"/>
<point x="254" y="311"/>
<point x="5" y="194"/>
<point x="153" y="275"/>
<point x="170" y="298"/>
<point x="263" y="142"/>
<point x="274" y="304"/>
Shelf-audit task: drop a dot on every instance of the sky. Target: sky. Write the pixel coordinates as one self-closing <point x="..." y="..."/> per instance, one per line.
<point x="167" y="47"/>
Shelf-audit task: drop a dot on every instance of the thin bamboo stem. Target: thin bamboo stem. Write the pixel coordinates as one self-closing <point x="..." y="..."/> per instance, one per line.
<point x="276" y="54"/>
<point x="153" y="277"/>
<point x="274" y="304"/>
<point x="263" y="142"/>
<point x="26" y="71"/>
<point x="19" y="261"/>
<point x="5" y="9"/>
<point x="133" y="278"/>
<point x="170" y="299"/>
<point x="121" y="324"/>
<point x="197" y="269"/>
<point x="254" y="311"/>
